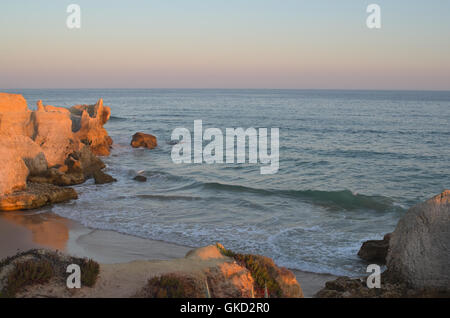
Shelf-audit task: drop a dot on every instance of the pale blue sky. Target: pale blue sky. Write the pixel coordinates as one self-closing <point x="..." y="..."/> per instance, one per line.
<point x="225" y="44"/>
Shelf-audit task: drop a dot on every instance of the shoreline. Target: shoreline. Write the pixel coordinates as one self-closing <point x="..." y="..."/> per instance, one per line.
<point x="21" y="231"/>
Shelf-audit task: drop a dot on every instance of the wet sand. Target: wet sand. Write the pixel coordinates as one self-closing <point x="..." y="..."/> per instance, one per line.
<point x="20" y="231"/>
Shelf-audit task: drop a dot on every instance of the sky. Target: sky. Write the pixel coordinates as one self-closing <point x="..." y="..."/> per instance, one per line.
<point x="292" y="44"/>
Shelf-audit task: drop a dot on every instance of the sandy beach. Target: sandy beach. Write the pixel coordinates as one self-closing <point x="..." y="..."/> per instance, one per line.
<point x="20" y="231"/>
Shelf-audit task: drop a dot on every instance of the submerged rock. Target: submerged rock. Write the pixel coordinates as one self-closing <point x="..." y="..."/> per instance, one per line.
<point x="375" y="250"/>
<point x="35" y="196"/>
<point x="140" y="178"/>
<point x="140" y="139"/>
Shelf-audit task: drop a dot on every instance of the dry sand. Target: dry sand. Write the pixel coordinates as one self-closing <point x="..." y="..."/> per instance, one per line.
<point x="20" y="231"/>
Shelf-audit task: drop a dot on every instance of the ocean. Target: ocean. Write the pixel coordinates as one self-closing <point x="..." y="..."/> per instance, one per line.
<point x="351" y="163"/>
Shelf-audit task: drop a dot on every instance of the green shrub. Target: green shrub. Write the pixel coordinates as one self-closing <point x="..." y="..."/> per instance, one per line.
<point x="262" y="269"/>
<point x="174" y="285"/>
<point x="25" y="274"/>
<point x="89" y="272"/>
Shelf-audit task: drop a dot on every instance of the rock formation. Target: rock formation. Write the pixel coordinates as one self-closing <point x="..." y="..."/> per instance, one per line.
<point x="143" y="140"/>
<point x="12" y="103"/>
<point x="419" y="251"/>
<point x="36" y="195"/>
<point x="417" y="259"/>
<point x="375" y="251"/>
<point x="51" y="145"/>
<point x="87" y="125"/>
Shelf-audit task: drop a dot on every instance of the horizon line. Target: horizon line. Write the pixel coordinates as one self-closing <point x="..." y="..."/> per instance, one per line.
<point x="218" y="88"/>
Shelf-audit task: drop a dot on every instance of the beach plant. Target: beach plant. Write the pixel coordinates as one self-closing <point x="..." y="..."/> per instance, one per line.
<point x="90" y="270"/>
<point x="27" y="273"/>
<point x="174" y="285"/>
<point x="39" y="266"/>
<point x="262" y="269"/>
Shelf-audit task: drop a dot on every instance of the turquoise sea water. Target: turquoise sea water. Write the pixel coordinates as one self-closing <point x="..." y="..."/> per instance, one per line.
<point x="351" y="162"/>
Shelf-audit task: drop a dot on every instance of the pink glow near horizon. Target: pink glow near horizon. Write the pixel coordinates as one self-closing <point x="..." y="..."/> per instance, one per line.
<point x="301" y="53"/>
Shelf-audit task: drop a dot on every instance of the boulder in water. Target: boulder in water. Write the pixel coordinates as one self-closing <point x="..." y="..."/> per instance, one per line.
<point x="375" y="250"/>
<point x="140" y="139"/>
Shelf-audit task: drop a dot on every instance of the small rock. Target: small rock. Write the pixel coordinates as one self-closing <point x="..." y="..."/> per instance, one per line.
<point x="143" y="140"/>
<point x="101" y="178"/>
<point x="140" y="178"/>
<point x="375" y="250"/>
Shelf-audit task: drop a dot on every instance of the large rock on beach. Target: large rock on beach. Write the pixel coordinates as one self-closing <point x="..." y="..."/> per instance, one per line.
<point x="419" y="252"/>
<point x="140" y="139"/>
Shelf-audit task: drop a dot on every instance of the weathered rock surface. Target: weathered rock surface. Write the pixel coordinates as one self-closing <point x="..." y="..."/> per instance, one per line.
<point x="375" y="251"/>
<point x="140" y="139"/>
<point x="20" y="155"/>
<point x="419" y="252"/>
<point x="87" y="125"/>
<point x="12" y="103"/>
<point x="14" y="173"/>
<point x="35" y="196"/>
<point x="345" y="287"/>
